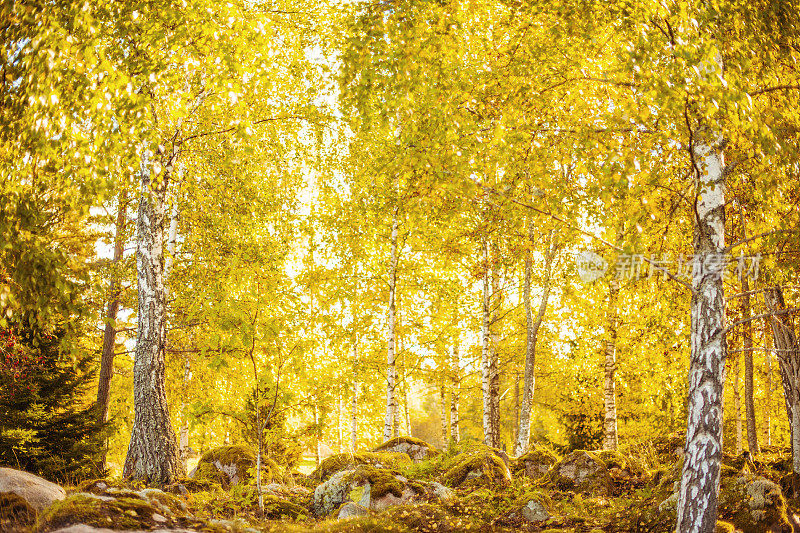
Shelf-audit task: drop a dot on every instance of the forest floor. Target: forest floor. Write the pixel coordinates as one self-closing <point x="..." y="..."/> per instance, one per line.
<point x="465" y="488"/>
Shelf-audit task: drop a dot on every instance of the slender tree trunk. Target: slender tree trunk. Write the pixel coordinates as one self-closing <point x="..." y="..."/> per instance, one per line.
<point x="494" y="373"/>
<point x="747" y="331"/>
<point x="788" y="350"/>
<point x="700" y="480"/>
<point x="532" y="329"/>
<point x="406" y="414"/>
<point x="316" y="433"/>
<point x="153" y="451"/>
<point x="391" y="371"/>
<point x="515" y="428"/>
<point x="610" y="441"/>
<point x="455" y="434"/>
<point x="183" y="448"/>
<point x="769" y="399"/>
<point x="488" y="438"/>
<point x="169" y="258"/>
<point x="339" y="421"/>
<point x="737" y="404"/>
<point x="443" y="412"/>
<point x="354" y="411"/>
<point x="110" y="332"/>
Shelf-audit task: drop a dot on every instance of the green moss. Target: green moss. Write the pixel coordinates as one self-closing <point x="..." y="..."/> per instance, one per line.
<point x="613" y="459"/>
<point x="15" y="512"/>
<point x="382" y="480"/>
<point x="589" y="473"/>
<point x="491" y="467"/>
<point x="245" y="460"/>
<point x="724" y="527"/>
<point x="191" y="485"/>
<point x="277" y="508"/>
<point x="537" y="455"/>
<point x="753" y="504"/>
<point x="82" y="508"/>
<point x="343" y="461"/>
<point x="403" y="440"/>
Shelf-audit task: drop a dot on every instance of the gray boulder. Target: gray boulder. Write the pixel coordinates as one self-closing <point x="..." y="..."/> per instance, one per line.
<point x="37" y="492"/>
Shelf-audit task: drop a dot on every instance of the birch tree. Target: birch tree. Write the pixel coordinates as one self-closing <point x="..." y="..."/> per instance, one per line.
<point x="531" y="335"/>
<point x="153" y="451"/>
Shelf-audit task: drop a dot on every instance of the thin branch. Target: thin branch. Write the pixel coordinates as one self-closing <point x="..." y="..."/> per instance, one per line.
<point x="754" y="237"/>
<point x="588" y="234"/>
<point x="773" y="89"/>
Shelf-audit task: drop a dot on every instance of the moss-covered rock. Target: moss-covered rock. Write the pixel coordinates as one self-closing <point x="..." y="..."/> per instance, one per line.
<point x="478" y="467"/>
<point x="337" y="490"/>
<point x="372" y="488"/>
<point x="416" y="449"/>
<point x="347" y="461"/>
<point x="121" y="509"/>
<point x="535" y="463"/>
<point x="229" y="465"/>
<point x="103" y="512"/>
<point x="15" y="513"/>
<point x="753" y="504"/>
<point x="580" y="471"/>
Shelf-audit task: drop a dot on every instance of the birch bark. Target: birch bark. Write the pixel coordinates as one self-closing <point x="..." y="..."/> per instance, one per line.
<point x="699" y="485"/>
<point x="455" y="434"/>
<point x="153" y="451"/>
<point x="391" y="371"/>
<point x="354" y="410"/>
<point x="610" y="440"/>
<point x="532" y="327"/>
<point x="488" y="438"/>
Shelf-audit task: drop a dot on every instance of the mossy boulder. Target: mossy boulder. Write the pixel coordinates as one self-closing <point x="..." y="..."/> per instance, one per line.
<point x="536" y="463"/>
<point x="753" y="504"/>
<point x="102" y="512"/>
<point x="416" y="449"/>
<point x="370" y="487"/>
<point x="120" y="509"/>
<point x="15" y="513"/>
<point x="580" y="471"/>
<point x="230" y="465"/>
<point x="478" y="467"/>
<point x="348" y="461"/>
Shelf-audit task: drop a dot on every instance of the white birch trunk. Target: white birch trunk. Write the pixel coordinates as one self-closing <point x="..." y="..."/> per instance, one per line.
<point x="700" y="479"/>
<point x="532" y="333"/>
<point x="443" y="413"/>
<point x="455" y="434"/>
<point x="153" y="451"/>
<point x="391" y="372"/>
<point x="485" y="355"/>
<point x="354" y="409"/>
<point x="610" y="441"/>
